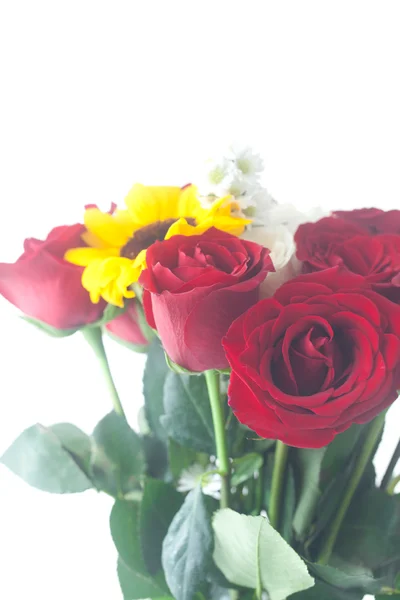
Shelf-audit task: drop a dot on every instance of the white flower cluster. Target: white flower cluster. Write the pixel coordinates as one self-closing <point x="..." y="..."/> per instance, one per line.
<point x="238" y="174"/>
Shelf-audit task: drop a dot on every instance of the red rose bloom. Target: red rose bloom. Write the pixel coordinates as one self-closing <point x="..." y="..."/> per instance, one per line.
<point x="373" y="220"/>
<point x="315" y="241"/>
<point x="127" y="328"/>
<point x="332" y="241"/>
<point x="320" y="355"/>
<point x="46" y="287"/>
<point x="377" y="259"/>
<point x="195" y="287"/>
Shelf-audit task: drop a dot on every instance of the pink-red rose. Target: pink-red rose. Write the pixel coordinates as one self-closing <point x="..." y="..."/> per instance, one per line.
<point x="314" y="241"/>
<point x="195" y="287"/>
<point x="46" y="287"/>
<point x="332" y="241"/>
<point x="127" y="327"/>
<point x="373" y="220"/>
<point x="320" y="355"/>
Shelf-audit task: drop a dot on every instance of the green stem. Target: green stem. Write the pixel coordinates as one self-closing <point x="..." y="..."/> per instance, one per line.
<point x="94" y="337"/>
<point x="278" y="478"/>
<point x="367" y="450"/>
<point x="389" y="471"/>
<point x="392" y="485"/>
<point x="212" y="379"/>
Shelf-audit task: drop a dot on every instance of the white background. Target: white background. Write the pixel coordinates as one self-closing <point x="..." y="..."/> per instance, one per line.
<point x="97" y="95"/>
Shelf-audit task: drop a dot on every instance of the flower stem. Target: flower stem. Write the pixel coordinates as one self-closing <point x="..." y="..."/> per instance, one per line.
<point x="278" y="478"/>
<point x="389" y="471"/>
<point x="94" y="337"/>
<point x="212" y="379"/>
<point x="367" y="450"/>
<point x="392" y="485"/>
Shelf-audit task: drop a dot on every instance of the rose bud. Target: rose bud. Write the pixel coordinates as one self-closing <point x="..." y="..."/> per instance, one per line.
<point x="320" y="355"/>
<point x="128" y="329"/>
<point x="195" y="287"/>
<point x="46" y="287"/>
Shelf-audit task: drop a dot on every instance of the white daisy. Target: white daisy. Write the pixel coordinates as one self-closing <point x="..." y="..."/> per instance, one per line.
<point x="248" y="162"/>
<point x="192" y="476"/>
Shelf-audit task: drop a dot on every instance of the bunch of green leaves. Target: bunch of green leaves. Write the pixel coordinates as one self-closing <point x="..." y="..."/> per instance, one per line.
<point x="174" y="541"/>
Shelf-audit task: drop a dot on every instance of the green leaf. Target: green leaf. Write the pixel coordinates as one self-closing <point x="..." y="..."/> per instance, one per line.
<point x="323" y="591"/>
<point x="180" y="458"/>
<point x="136" y="586"/>
<point x="245" y="467"/>
<point x="309" y="465"/>
<point x="134" y="578"/>
<point x="370" y="534"/>
<point x="156" y="456"/>
<point x="289" y="505"/>
<point x="186" y="552"/>
<point x="118" y="459"/>
<point x="251" y="553"/>
<point x="338" y="452"/>
<point x="353" y="578"/>
<point x="188" y="418"/>
<point x="154" y="376"/>
<point x="219" y="593"/>
<point x="40" y="459"/>
<point x="76" y="442"/>
<point x="159" y="505"/>
<point x="48" y="329"/>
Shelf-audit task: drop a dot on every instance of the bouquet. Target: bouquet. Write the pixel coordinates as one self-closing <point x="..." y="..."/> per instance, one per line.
<point x="273" y="353"/>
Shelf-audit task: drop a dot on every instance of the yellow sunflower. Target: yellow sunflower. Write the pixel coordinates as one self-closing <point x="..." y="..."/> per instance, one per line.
<point x="117" y="243"/>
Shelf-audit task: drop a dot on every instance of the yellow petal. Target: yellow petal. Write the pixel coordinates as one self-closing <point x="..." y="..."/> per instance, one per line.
<point x="140" y="260"/>
<point x="189" y="203"/>
<point x="110" y="279"/>
<point x="148" y="204"/>
<point x="181" y="227"/>
<point x="84" y="256"/>
<point x="93" y="241"/>
<point x="106" y="228"/>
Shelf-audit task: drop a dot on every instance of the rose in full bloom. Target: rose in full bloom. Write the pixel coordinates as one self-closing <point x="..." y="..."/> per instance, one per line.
<point x="46" y="287"/>
<point x="320" y="355"/>
<point x="127" y="328"/>
<point x="315" y="241"/>
<point x="376" y="258"/>
<point x="334" y="241"/>
<point x="373" y="220"/>
<point x="195" y="287"/>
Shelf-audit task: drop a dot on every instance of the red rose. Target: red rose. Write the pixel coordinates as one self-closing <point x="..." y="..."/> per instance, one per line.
<point x="373" y="220"/>
<point x="46" y="287"/>
<point x="376" y="258"/>
<point x="127" y="327"/>
<point x="320" y="355"/>
<point x="314" y="241"/>
<point x="195" y="287"/>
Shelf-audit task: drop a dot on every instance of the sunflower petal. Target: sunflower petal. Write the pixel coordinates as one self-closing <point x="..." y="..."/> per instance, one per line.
<point x="110" y="279"/>
<point x="105" y="227"/>
<point x="148" y="204"/>
<point x="189" y="203"/>
<point x="84" y="256"/>
<point x="182" y="227"/>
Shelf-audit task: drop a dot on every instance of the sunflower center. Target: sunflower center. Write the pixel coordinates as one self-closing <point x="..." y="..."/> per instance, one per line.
<point x="144" y="237"/>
